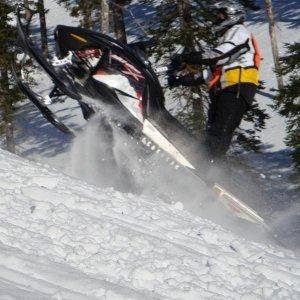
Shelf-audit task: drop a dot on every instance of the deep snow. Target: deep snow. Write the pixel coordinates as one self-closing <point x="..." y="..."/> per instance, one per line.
<point x="270" y="170"/>
<point x="61" y="238"/>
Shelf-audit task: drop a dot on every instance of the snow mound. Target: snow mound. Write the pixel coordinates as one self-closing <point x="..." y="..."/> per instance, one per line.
<point x="61" y="238"/>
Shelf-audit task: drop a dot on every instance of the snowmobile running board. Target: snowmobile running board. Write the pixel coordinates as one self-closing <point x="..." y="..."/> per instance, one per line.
<point x="158" y="125"/>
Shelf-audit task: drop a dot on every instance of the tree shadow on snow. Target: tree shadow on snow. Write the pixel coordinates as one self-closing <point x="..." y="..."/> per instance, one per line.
<point x="286" y="12"/>
<point x="138" y="17"/>
<point x="44" y="139"/>
<point x="266" y="94"/>
<point x="275" y="171"/>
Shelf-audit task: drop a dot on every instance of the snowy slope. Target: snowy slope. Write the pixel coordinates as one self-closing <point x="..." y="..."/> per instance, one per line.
<point x="40" y="141"/>
<point x="274" y="162"/>
<point x="287" y="30"/>
<point x="61" y="238"/>
<point x="64" y="239"/>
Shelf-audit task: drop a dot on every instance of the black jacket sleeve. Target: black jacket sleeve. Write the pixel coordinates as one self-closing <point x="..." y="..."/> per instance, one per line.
<point x="186" y="80"/>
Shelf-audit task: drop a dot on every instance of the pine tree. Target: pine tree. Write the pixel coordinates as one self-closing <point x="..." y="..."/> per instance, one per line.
<point x="250" y="4"/>
<point x="182" y="24"/>
<point x="288" y="98"/>
<point x="9" y="94"/>
<point x="27" y="11"/>
<point x="178" y="26"/>
<point x="85" y="10"/>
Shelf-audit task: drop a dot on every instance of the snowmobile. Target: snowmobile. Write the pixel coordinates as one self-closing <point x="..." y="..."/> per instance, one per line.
<point x="80" y="70"/>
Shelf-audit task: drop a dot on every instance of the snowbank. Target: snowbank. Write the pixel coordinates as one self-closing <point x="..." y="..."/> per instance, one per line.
<point x="61" y="238"/>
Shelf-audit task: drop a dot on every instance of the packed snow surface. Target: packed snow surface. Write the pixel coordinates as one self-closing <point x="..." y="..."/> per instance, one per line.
<point x="61" y="238"/>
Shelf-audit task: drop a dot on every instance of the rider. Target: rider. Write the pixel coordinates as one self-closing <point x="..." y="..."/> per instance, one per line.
<point x="232" y="75"/>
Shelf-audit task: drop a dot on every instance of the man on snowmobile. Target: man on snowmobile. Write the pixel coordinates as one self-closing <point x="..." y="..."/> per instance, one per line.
<point x="232" y="75"/>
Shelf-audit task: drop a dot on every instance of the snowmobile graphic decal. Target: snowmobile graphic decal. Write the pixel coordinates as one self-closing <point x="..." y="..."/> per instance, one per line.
<point x="78" y="38"/>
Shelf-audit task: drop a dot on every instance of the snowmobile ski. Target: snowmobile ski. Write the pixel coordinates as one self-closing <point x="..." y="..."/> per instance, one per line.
<point x="37" y="101"/>
<point x="60" y="79"/>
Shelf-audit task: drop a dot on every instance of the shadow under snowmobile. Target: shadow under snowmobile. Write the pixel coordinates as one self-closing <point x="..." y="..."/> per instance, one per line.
<point x="84" y="59"/>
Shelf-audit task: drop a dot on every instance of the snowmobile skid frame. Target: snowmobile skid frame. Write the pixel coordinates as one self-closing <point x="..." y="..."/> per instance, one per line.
<point x="75" y="77"/>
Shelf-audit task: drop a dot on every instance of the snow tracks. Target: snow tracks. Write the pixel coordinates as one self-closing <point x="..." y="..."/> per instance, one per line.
<point x="61" y="238"/>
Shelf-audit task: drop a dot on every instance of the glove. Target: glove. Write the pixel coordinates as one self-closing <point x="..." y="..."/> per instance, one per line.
<point x="187" y="80"/>
<point x="176" y="62"/>
<point x="190" y="58"/>
<point x="173" y="81"/>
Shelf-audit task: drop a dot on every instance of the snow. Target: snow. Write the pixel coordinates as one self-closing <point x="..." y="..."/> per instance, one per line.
<point x="275" y="163"/>
<point x="66" y="237"/>
<point x="287" y="30"/>
<point x="61" y="238"/>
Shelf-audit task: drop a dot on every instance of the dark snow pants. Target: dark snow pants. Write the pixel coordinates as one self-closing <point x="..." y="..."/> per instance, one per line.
<point x="225" y="114"/>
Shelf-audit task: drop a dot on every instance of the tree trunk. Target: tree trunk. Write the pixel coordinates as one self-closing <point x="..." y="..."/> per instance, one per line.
<point x="44" y="38"/>
<point x="87" y="15"/>
<point x="28" y="15"/>
<point x="271" y="19"/>
<point x="104" y="17"/>
<point x="27" y="11"/>
<point x="197" y="104"/>
<point x="185" y="13"/>
<point x="9" y="136"/>
<point x="119" y="25"/>
<point x="7" y="111"/>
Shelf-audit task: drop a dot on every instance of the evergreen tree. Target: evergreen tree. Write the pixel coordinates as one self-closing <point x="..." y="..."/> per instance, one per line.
<point x="288" y="98"/>
<point x="183" y="24"/>
<point x="250" y="4"/>
<point x="9" y="94"/>
<point x="179" y="25"/>
<point x="86" y="10"/>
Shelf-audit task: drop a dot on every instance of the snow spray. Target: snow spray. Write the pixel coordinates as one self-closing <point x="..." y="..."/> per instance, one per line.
<point x="91" y="157"/>
<point x="286" y="226"/>
<point x="106" y="156"/>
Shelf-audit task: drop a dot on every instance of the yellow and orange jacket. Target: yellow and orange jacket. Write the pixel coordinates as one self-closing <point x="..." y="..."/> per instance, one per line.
<point x="236" y="59"/>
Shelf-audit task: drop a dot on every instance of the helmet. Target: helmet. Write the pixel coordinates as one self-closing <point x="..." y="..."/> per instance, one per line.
<point x="233" y="11"/>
